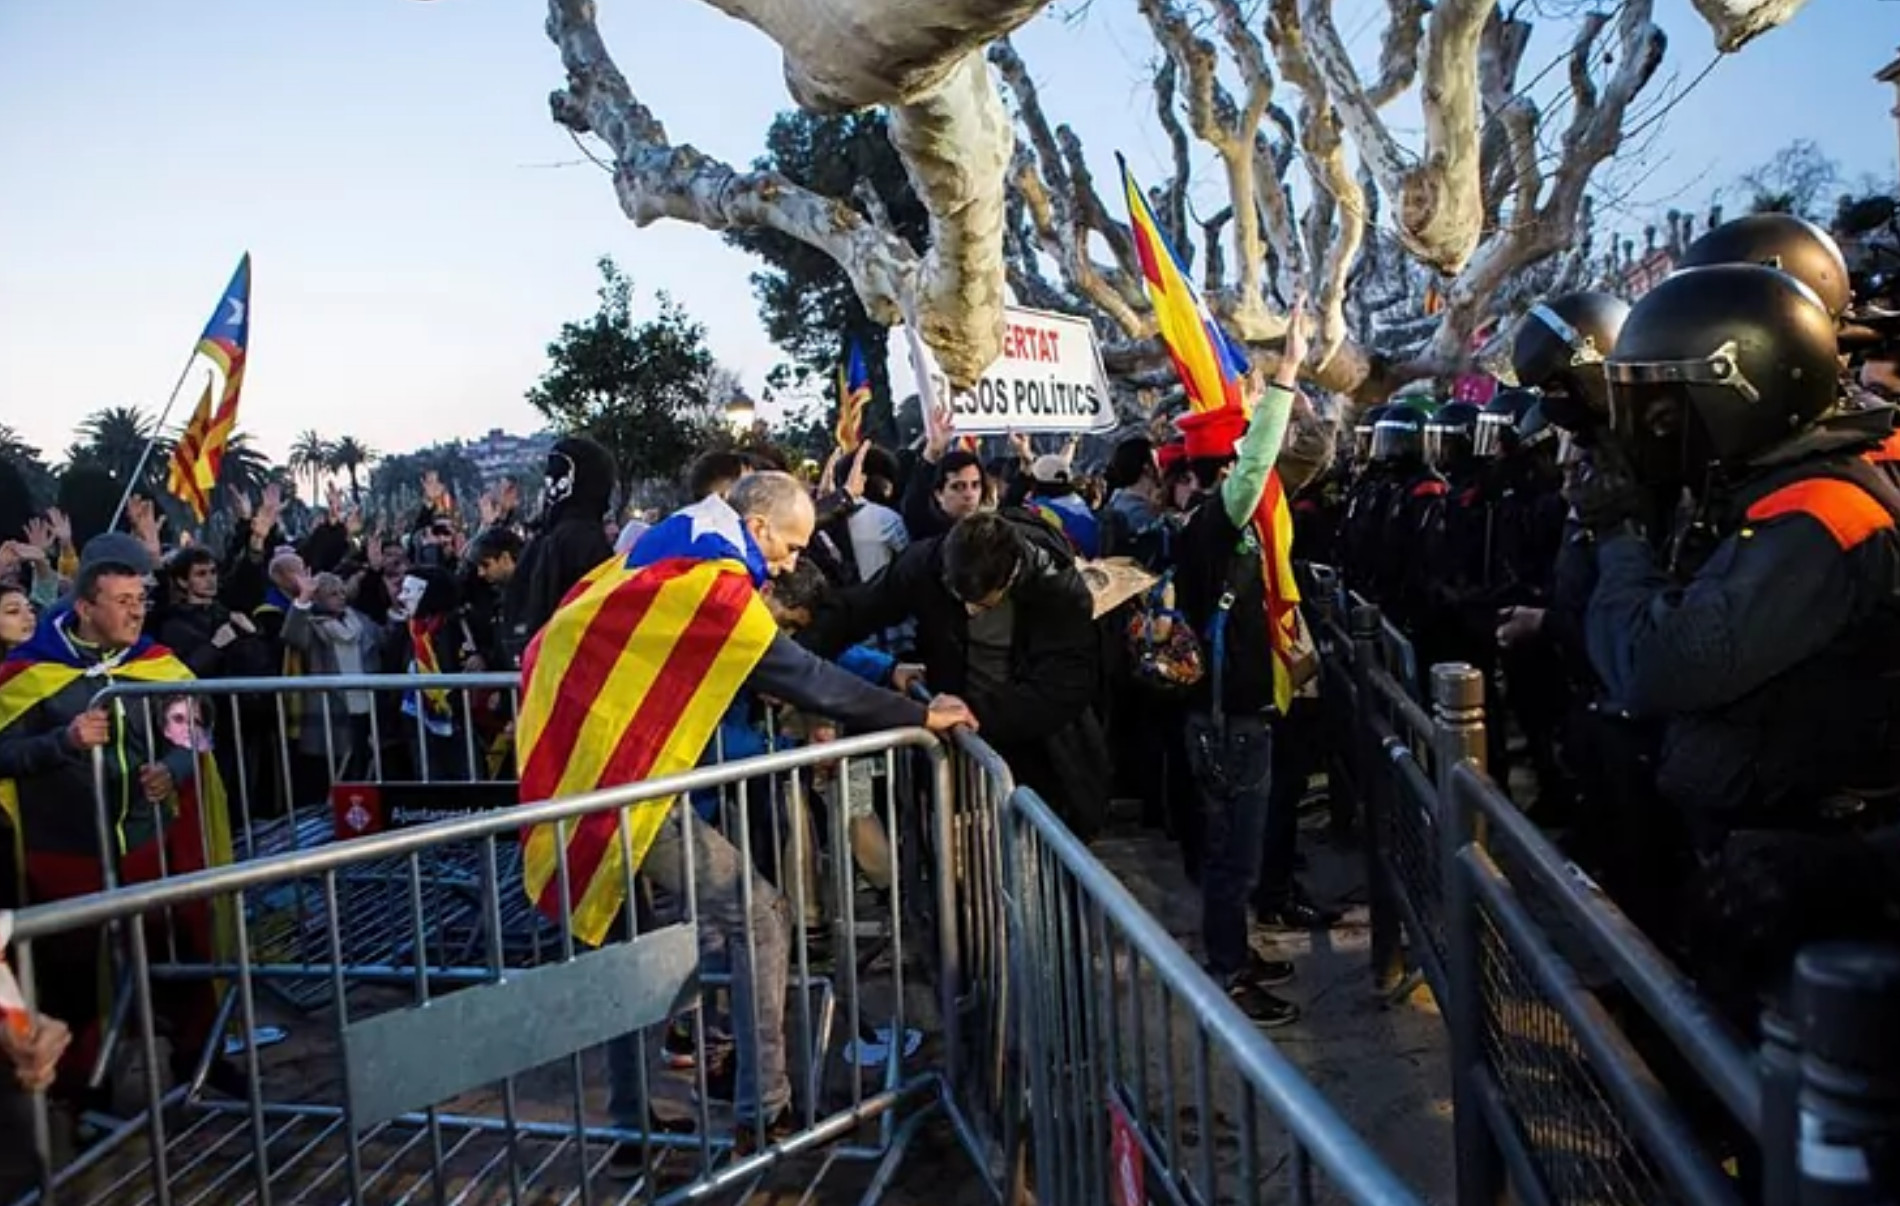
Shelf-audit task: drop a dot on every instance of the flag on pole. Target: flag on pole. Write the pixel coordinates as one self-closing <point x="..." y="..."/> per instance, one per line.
<point x="1211" y="366"/>
<point x="200" y="450"/>
<point x="854" y="391"/>
<point x="192" y="476"/>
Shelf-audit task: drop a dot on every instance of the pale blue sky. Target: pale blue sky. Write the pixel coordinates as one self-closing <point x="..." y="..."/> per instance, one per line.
<point x="385" y="162"/>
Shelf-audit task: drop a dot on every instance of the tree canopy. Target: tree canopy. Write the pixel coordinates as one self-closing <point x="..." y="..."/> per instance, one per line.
<point x="635" y="385"/>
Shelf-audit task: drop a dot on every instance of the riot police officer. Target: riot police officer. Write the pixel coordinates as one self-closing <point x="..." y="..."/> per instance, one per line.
<point x="1410" y="518"/>
<point x="1774" y="667"/>
<point x="1360" y="533"/>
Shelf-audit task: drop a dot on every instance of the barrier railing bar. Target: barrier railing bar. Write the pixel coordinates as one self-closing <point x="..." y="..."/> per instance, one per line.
<point x="1513" y="1146"/>
<point x="37" y="920"/>
<point x="1309" y="1116"/>
<point x="1663" y="991"/>
<point x="1615" y="1062"/>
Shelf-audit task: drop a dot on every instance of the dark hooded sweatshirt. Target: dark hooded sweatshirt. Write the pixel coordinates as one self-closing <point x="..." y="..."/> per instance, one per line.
<point x="572" y="539"/>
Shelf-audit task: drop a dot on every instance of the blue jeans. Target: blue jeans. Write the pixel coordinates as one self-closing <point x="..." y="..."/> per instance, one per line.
<point x="1233" y="768"/>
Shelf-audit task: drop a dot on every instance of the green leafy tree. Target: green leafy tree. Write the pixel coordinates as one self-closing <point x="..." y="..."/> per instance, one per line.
<point x="244" y="469"/>
<point x="113" y="440"/>
<point x="310" y="458"/>
<point x="805" y="299"/>
<point x="88" y="494"/>
<point x="349" y="456"/>
<point x="634" y="385"/>
<point x="27" y="462"/>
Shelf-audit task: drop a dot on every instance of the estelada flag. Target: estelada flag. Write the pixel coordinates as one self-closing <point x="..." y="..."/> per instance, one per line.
<point x="198" y="831"/>
<point x="1211" y="365"/>
<point x="199" y="454"/>
<point x="627" y="681"/>
<point x="854" y="391"/>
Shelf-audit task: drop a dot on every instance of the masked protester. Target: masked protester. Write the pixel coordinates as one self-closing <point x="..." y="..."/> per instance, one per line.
<point x="1770" y="664"/>
<point x="571" y="539"/>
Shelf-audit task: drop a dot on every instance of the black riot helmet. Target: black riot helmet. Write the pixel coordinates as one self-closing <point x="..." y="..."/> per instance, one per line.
<point x="1497" y="433"/>
<point x="1717" y="365"/>
<point x="1559" y="349"/>
<point x="1362" y="430"/>
<point x="1399" y="435"/>
<point x="1450" y="435"/>
<point x="1795" y="245"/>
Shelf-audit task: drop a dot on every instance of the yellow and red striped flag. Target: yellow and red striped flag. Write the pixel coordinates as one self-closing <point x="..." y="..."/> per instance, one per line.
<point x="226" y="343"/>
<point x="1211" y="366"/>
<point x="193" y="475"/>
<point x="854" y="391"/>
<point x="627" y="681"/>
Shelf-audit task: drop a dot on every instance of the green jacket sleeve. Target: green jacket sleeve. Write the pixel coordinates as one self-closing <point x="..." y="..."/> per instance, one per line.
<point x="1240" y="491"/>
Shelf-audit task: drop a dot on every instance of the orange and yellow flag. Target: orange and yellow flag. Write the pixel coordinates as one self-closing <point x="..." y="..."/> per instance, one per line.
<point x="627" y="681"/>
<point x="1211" y="367"/>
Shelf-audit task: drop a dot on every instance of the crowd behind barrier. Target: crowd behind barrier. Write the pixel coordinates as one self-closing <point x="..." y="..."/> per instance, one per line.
<point x="418" y="1033"/>
<point x="1586" y="1067"/>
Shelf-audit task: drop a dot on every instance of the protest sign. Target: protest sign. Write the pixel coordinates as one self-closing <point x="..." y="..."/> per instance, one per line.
<point x="1048" y="379"/>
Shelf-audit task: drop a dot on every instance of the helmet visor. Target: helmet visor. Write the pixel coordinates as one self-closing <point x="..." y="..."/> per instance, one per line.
<point x="1446" y="444"/>
<point x="1394" y="440"/>
<point x="1494" y="436"/>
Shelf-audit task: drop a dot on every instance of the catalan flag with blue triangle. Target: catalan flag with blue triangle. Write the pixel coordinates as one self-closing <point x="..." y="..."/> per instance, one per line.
<point x="627" y="681"/>
<point x="1211" y="367"/>
<point x="854" y="393"/>
<point x="199" y="453"/>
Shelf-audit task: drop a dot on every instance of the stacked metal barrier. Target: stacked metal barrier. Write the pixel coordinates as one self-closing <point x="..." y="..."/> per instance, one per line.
<point x="475" y="1081"/>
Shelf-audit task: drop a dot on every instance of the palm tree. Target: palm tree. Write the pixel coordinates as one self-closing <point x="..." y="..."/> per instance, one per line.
<point x="114" y="438"/>
<point x="33" y="469"/>
<point x="245" y="469"/>
<point x="310" y="457"/>
<point x="348" y="455"/>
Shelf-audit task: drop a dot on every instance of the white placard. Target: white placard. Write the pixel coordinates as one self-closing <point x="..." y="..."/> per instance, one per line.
<point x="1048" y="379"/>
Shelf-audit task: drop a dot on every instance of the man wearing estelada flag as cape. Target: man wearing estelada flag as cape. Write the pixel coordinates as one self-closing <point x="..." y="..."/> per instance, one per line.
<point x="626" y="682"/>
<point x="164" y="805"/>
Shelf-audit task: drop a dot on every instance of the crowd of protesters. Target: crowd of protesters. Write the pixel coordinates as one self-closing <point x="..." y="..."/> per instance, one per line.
<point x="1633" y="595"/>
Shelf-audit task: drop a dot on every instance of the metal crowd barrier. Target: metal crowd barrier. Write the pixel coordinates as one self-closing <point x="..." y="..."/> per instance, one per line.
<point x="1146" y="1083"/>
<point x="472" y="1080"/>
<point x="1557" y="1007"/>
<point x="305" y="762"/>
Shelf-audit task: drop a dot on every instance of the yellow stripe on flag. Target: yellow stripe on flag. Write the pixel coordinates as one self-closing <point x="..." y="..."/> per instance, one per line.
<point x="747" y="643"/>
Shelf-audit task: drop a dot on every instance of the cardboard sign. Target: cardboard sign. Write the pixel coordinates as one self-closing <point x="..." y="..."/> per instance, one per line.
<point x="1125" y="1163"/>
<point x="1048" y="379"/>
<point x="360" y="809"/>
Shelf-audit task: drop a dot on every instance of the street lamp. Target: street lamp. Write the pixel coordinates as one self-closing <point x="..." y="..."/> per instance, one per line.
<point x="740" y="412"/>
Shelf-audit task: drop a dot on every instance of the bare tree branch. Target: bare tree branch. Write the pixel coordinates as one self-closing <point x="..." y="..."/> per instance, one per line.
<point x="1173" y="209"/>
<point x="945" y="118"/>
<point x="1441" y="209"/>
<point x="1736" y="22"/>
<point x="1398" y="51"/>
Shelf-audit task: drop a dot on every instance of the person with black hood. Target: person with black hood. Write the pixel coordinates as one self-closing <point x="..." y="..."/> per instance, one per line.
<point x="571" y="541"/>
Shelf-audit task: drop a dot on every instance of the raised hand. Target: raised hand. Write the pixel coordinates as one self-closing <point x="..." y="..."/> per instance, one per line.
<point x="62" y="526"/>
<point x="854" y="480"/>
<point x="939" y="430"/>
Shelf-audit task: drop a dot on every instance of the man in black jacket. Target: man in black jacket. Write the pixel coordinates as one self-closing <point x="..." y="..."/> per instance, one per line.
<point x="1005" y="623"/>
<point x="572" y="539"/>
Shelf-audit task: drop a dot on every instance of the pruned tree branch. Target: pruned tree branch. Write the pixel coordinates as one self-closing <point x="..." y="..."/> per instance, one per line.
<point x="1440" y="208"/>
<point x="946" y="121"/>
<point x="1737" y="22"/>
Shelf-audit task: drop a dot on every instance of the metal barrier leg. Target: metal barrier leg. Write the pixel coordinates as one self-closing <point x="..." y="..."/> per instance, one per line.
<point x="1458" y="723"/>
<point x="1388" y="955"/>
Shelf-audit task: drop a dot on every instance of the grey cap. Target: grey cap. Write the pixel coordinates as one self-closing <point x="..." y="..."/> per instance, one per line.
<point x="117" y="548"/>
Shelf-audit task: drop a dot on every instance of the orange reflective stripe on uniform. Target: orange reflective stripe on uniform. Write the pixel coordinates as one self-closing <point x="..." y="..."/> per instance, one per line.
<point x="1849" y="513"/>
<point x="1888" y="453"/>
